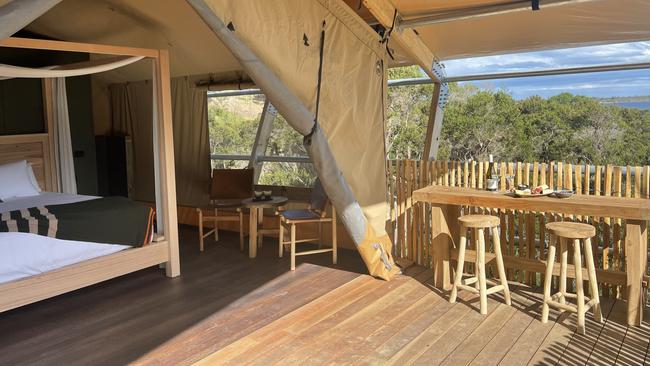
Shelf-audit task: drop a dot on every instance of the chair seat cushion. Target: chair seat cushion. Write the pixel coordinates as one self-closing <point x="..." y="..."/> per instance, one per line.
<point x="300" y="215"/>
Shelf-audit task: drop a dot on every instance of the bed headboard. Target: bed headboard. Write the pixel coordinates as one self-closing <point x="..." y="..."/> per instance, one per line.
<point x="35" y="148"/>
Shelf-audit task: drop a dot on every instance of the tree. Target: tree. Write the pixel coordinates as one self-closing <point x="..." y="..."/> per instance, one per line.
<point x="233" y="123"/>
<point x="407" y="115"/>
<point x="477" y="122"/>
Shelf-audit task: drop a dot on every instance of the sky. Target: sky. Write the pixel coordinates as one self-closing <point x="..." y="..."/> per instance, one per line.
<point x="604" y="84"/>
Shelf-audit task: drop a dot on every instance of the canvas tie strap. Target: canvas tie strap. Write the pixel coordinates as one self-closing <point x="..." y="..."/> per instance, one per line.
<point x="387" y="35"/>
<point x="320" y="81"/>
<point x="535" y="4"/>
<point x="383" y="256"/>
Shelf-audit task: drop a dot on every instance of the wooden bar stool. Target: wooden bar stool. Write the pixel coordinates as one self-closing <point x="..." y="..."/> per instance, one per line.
<point x="478" y="224"/>
<point x="561" y="232"/>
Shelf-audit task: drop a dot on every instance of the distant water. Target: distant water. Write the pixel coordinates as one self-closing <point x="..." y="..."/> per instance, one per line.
<point x="637" y="105"/>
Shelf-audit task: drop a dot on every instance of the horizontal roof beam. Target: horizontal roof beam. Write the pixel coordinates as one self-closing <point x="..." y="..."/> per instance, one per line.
<point x="475" y="77"/>
<point x="444" y="16"/>
<point x="523" y="74"/>
<point x="256" y="91"/>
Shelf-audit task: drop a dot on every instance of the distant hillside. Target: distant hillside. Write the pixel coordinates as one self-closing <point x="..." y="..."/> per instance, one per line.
<point x="616" y="100"/>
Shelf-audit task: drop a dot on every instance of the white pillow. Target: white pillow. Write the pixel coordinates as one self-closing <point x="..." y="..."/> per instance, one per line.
<point x="15" y="181"/>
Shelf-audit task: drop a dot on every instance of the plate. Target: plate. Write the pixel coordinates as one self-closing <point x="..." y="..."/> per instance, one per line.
<point x="531" y="195"/>
<point x="564" y="193"/>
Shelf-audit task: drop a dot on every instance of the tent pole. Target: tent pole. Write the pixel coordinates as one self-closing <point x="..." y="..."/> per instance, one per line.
<point x="264" y="129"/>
<point x="17" y="14"/>
<point x="434" y="126"/>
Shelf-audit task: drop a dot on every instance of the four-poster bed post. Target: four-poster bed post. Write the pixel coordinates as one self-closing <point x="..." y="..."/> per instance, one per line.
<point x="164" y="153"/>
<point x="164" y="248"/>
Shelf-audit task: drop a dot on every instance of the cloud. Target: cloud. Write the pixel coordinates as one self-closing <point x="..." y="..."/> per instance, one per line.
<point x="615" y="83"/>
<point x="573" y="57"/>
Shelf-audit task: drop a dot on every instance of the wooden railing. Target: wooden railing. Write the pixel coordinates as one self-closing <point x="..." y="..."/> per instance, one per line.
<point x="522" y="233"/>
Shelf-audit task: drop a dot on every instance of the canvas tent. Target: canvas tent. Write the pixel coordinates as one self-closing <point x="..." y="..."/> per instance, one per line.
<point x="196" y="50"/>
<point x="355" y="60"/>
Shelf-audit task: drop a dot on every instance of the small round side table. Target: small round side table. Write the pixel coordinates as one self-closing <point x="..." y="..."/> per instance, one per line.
<point x="256" y="228"/>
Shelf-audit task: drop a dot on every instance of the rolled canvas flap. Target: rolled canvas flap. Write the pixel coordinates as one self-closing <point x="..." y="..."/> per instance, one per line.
<point x="376" y="254"/>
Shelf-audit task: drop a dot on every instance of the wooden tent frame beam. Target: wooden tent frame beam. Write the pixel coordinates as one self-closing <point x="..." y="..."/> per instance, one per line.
<point x="385" y="12"/>
<point x="44" y="44"/>
<point x="164" y="248"/>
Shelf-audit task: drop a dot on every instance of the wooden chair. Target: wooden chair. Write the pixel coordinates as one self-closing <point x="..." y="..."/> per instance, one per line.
<point x="315" y="214"/>
<point x="576" y="234"/>
<point x="478" y="224"/>
<point x="228" y="188"/>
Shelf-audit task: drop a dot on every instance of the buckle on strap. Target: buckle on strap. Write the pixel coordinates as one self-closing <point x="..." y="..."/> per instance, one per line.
<point x="383" y="256"/>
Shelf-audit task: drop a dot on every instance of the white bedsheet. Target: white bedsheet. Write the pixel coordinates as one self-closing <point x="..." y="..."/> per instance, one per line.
<point x="23" y="255"/>
<point x="42" y="199"/>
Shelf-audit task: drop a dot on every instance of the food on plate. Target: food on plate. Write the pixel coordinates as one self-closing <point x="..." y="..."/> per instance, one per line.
<point x="539" y="190"/>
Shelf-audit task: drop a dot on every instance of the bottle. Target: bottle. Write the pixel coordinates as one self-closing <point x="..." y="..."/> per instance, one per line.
<point x="493" y="170"/>
<point x="491" y="177"/>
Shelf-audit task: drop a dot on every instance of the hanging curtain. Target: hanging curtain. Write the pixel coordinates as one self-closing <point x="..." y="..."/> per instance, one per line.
<point x="191" y="142"/>
<point x="131" y="115"/>
<point x="62" y="139"/>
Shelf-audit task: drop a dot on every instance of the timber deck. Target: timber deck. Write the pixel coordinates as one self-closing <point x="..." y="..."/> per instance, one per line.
<point x="228" y="309"/>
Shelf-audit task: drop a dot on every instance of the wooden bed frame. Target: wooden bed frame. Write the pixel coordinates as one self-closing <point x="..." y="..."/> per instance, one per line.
<point x="37" y="149"/>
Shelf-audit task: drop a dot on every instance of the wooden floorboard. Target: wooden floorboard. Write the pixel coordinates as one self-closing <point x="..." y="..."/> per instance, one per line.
<point x="144" y="317"/>
<point x="323" y="348"/>
<point x="611" y="337"/>
<point x="501" y="343"/>
<point x="445" y="318"/>
<point x="580" y="347"/>
<point x="449" y="341"/>
<point x="552" y="348"/>
<point x="635" y="345"/>
<point x="227" y="309"/>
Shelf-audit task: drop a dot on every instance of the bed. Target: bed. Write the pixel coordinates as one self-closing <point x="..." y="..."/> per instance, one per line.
<point x="26" y="254"/>
<point x="36" y="267"/>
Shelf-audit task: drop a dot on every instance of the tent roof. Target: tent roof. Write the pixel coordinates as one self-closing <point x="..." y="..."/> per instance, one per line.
<point x="170" y="24"/>
<point x="570" y="25"/>
<point x="195" y="50"/>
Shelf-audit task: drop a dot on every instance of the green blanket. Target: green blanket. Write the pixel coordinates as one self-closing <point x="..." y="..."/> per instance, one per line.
<point x="110" y="220"/>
